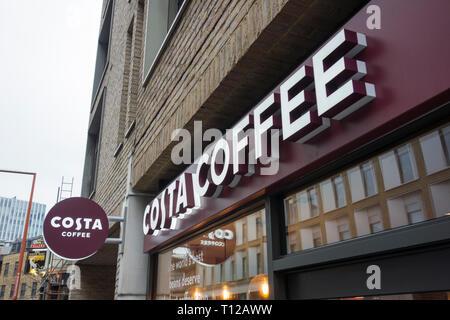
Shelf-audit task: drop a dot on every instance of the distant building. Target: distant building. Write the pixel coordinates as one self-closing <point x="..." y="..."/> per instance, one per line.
<point x="29" y="284"/>
<point x="13" y="213"/>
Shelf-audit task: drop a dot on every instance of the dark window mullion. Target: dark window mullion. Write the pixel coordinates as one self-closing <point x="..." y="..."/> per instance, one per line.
<point x="276" y="245"/>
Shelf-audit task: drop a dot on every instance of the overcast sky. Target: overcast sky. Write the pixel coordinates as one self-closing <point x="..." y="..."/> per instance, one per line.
<point x="47" y="59"/>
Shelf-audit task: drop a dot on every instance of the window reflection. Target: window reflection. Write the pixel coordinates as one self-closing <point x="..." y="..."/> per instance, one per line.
<point x="362" y="180"/>
<point x="398" y="167"/>
<point x="368" y="220"/>
<point x="338" y="229"/>
<point x="436" y="150"/>
<point x="406" y="185"/>
<point x="229" y="262"/>
<point x="311" y="237"/>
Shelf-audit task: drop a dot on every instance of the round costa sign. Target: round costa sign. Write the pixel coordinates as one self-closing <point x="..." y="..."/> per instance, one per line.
<point x="75" y="228"/>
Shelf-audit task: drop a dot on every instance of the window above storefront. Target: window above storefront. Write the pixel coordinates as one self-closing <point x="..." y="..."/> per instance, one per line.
<point x="227" y="262"/>
<point x="407" y="184"/>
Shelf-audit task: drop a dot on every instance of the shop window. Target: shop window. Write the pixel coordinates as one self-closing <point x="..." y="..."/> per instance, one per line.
<point x="446" y="143"/>
<point x="368" y="220"/>
<point x="311" y="237"/>
<point x="338" y="229"/>
<point x="440" y="194"/>
<point x="436" y="150"/>
<point x="302" y="206"/>
<point x="333" y="194"/>
<point x="214" y="266"/>
<point x="293" y="242"/>
<point x="313" y="221"/>
<point x="362" y="180"/>
<point x="406" y="209"/>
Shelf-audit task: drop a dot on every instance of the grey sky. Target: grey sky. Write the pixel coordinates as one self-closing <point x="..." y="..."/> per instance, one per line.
<point x="47" y="58"/>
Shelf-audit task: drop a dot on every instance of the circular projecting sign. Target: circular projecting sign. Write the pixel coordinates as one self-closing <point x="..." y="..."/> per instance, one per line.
<point x="75" y="228"/>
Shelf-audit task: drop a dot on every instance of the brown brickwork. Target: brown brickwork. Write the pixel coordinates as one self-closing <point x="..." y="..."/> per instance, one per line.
<point x="97" y="283"/>
<point x="224" y="56"/>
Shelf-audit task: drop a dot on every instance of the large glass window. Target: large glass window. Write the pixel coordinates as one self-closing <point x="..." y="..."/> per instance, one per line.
<point x="436" y="150"/>
<point x="405" y="185"/>
<point x="227" y="262"/>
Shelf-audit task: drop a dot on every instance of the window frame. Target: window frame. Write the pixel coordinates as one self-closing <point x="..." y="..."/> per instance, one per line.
<point x="146" y="75"/>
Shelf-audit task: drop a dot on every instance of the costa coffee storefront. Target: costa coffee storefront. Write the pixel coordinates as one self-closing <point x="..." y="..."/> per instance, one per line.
<point x="350" y="196"/>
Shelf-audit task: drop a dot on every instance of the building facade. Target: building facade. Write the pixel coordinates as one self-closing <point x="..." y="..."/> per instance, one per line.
<point x="348" y="200"/>
<point x="13" y="213"/>
<point x="30" y="280"/>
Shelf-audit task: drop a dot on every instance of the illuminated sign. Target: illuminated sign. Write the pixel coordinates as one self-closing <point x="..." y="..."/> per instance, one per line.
<point x="38" y="244"/>
<point x="75" y="228"/>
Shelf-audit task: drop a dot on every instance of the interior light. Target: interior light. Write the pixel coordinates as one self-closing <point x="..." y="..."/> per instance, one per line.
<point x="226" y="294"/>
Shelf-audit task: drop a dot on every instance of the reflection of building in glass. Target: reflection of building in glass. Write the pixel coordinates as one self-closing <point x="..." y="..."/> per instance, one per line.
<point x="405" y="185"/>
<point x="193" y="274"/>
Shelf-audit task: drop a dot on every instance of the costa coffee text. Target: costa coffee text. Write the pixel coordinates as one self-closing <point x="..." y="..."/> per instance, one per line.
<point x="80" y="223"/>
<point x="298" y="110"/>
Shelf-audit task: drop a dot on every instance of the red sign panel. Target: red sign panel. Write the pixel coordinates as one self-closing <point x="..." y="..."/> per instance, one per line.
<point x="75" y="228"/>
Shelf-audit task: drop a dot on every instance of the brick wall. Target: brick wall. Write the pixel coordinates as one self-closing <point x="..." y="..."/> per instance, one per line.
<point x="97" y="283"/>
